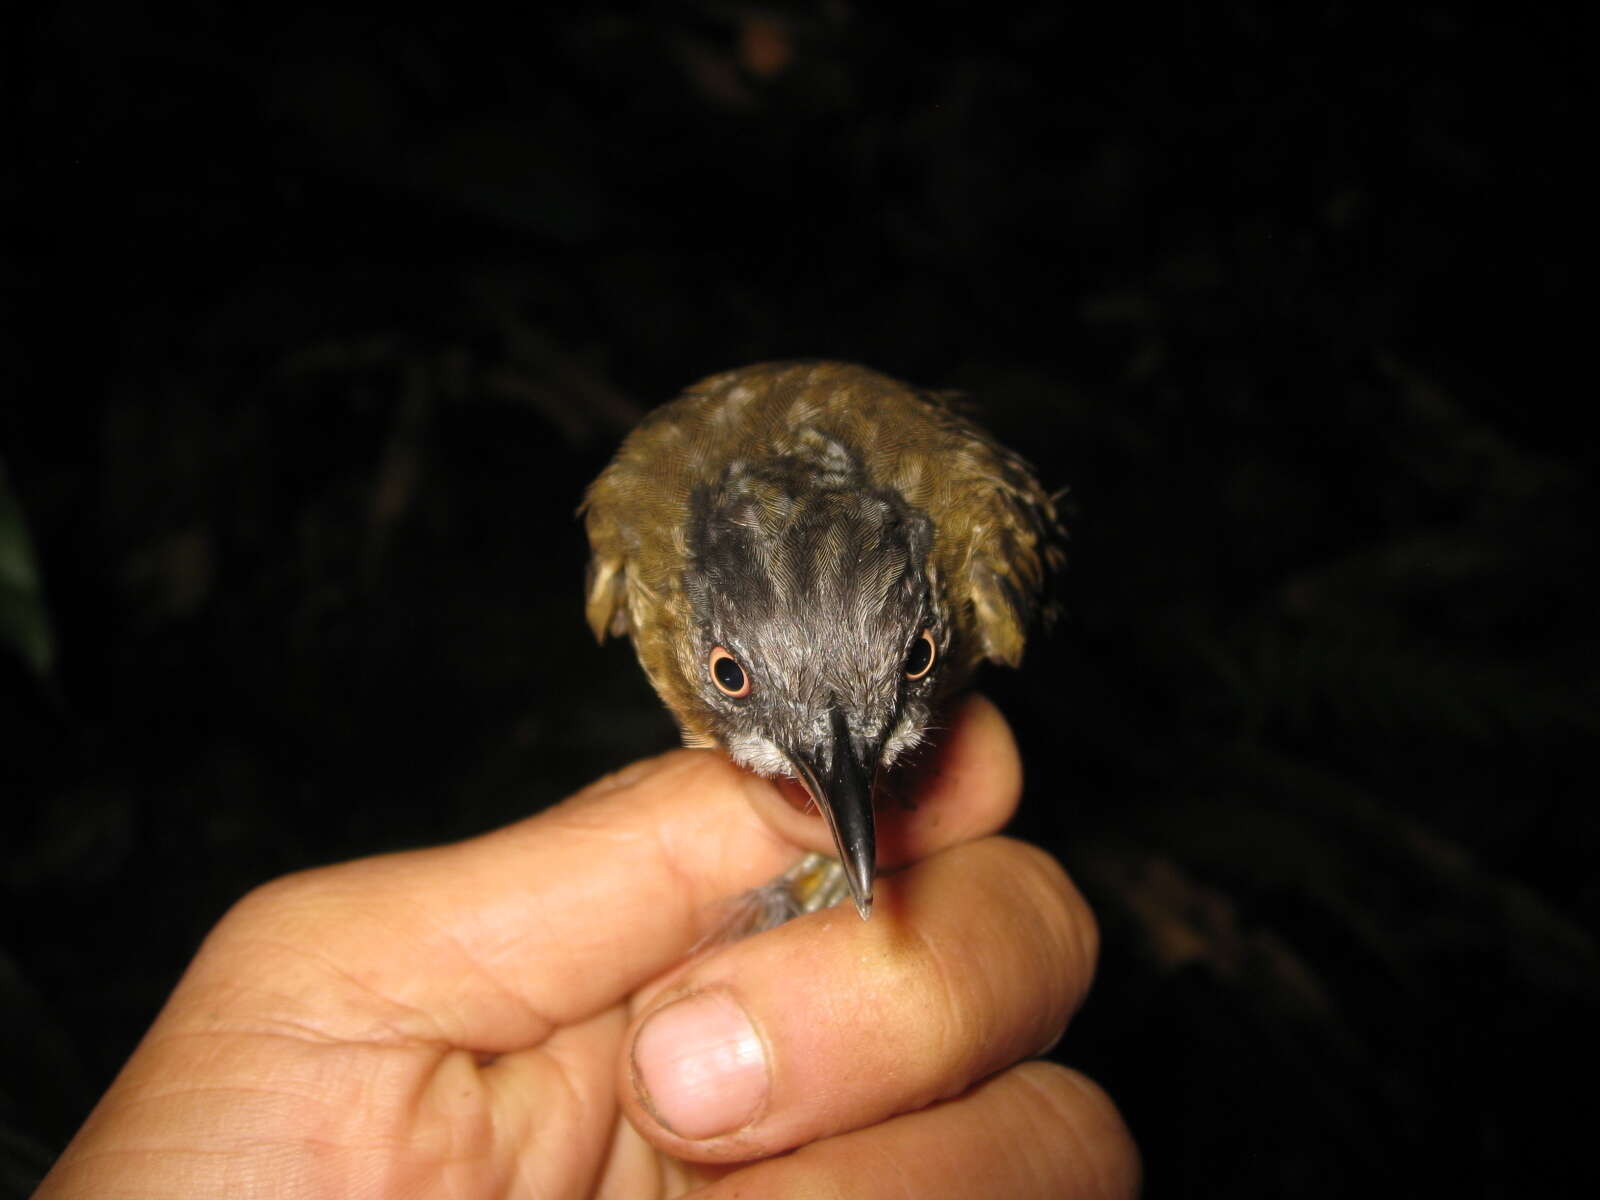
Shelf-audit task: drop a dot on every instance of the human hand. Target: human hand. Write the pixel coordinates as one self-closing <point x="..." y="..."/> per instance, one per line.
<point x="513" y="1014"/>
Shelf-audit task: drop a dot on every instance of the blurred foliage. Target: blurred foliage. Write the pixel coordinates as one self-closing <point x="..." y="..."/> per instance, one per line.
<point x="319" y="325"/>
<point x="24" y="620"/>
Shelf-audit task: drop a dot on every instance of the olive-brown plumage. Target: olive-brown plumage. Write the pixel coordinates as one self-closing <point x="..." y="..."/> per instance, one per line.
<point x="810" y="558"/>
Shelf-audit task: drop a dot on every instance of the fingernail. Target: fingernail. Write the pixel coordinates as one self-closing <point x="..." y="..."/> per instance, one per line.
<point x="700" y="1067"/>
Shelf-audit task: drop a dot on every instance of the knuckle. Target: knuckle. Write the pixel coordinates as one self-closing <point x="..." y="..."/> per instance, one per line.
<point x="996" y="980"/>
<point x="1059" y="909"/>
<point x="954" y="1019"/>
<point x="1074" y="1115"/>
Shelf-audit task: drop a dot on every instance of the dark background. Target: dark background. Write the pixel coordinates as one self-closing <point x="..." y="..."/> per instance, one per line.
<point x="316" y="326"/>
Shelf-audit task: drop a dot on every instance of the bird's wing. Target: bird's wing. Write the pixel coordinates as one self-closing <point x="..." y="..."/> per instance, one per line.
<point x="998" y="539"/>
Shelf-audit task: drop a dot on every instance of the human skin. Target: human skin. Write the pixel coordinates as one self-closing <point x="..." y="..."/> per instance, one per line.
<point x="545" y="1011"/>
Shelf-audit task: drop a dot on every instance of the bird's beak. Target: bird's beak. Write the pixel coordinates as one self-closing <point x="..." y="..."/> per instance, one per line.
<point x="844" y="794"/>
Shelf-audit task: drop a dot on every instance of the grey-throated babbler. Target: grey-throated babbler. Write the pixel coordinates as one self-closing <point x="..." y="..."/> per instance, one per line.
<point x="811" y="558"/>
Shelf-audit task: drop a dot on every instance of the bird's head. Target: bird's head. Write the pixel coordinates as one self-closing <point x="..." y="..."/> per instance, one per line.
<point x="818" y="635"/>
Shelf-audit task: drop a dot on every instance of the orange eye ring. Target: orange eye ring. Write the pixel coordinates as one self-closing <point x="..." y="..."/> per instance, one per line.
<point x="921" y="657"/>
<point x="730" y="678"/>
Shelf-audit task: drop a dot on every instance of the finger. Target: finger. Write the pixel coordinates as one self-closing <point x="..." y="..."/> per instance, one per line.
<point x="973" y="960"/>
<point x="965" y="784"/>
<point x="1038" y="1130"/>
<point x="492" y="942"/>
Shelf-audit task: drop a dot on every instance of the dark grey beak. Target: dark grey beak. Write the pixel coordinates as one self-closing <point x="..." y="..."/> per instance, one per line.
<point x="845" y="798"/>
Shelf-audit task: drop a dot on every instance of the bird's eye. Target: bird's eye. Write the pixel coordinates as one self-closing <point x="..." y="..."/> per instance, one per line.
<point x="919" y="659"/>
<point x="728" y="675"/>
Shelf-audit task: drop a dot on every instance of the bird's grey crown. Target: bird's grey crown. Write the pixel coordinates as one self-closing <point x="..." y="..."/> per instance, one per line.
<point x="818" y="584"/>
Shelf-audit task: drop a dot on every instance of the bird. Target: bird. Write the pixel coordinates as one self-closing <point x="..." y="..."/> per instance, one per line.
<point x="812" y="559"/>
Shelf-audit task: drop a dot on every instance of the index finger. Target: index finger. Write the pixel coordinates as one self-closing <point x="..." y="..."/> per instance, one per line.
<point x="492" y="942"/>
